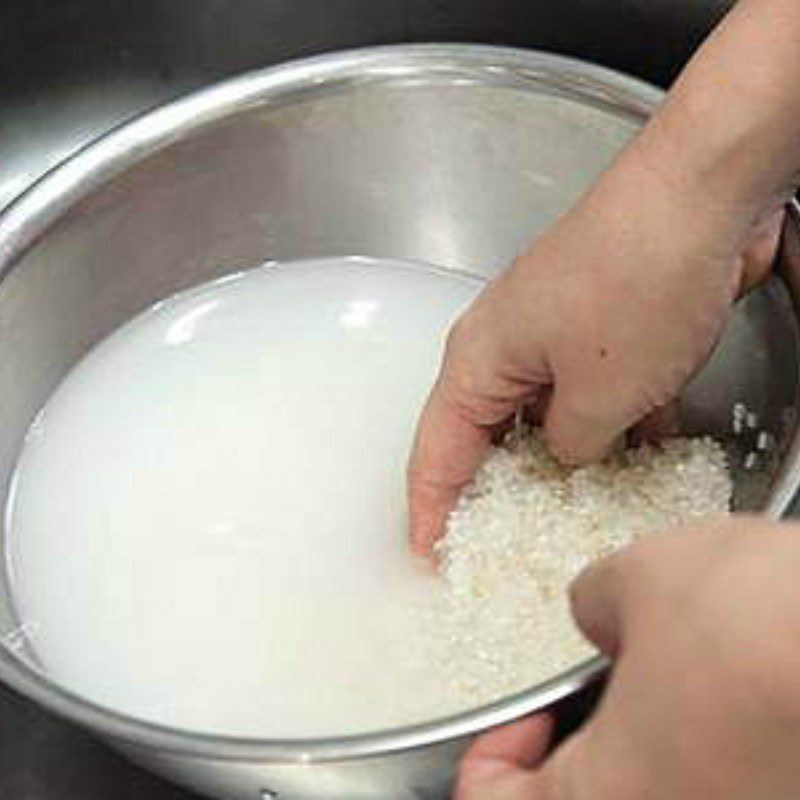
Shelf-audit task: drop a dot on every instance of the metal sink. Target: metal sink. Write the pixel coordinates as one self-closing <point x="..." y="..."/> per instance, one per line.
<point x="71" y="69"/>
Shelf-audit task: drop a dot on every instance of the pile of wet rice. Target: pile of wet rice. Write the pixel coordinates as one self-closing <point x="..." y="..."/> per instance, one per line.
<point x="522" y="532"/>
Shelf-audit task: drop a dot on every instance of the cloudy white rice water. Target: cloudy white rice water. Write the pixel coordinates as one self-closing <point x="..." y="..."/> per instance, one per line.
<point x="207" y="525"/>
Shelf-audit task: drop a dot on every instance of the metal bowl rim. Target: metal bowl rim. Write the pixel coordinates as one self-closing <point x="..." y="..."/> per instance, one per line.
<point x="30" y="216"/>
<point x="27" y="218"/>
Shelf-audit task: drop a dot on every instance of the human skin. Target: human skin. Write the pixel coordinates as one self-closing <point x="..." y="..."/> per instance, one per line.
<point x="703" y="701"/>
<point x="608" y="314"/>
<point x="600" y="324"/>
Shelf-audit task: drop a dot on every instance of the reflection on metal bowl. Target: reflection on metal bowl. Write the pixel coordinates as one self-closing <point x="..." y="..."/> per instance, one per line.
<point x="452" y="155"/>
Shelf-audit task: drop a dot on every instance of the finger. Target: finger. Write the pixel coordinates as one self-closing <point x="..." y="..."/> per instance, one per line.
<point x="522" y="744"/>
<point x="759" y="255"/>
<point x="499" y="765"/>
<point x="511" y="784"/>
<point x="536" y="405"/>
<point x="447" y="450"/>
<point x="577" y="437"/>
<point x="565" y="774"/>
<point x="661" y="423"/>
<point x="597" y="600"/>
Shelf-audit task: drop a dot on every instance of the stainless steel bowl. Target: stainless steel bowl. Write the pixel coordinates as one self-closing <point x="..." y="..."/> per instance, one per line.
<point x="454" y="155"/>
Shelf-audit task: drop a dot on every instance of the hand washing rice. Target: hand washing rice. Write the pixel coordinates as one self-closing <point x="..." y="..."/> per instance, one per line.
<point x="522" y="532"/>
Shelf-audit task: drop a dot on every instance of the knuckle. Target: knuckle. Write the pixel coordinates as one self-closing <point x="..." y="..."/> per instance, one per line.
<point x="461" y="334"/>
<point x="638" y="569"/>
<point x="461" y="392"/>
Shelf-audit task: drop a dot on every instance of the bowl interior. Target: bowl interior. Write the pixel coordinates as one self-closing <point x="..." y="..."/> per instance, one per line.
<point x="458" y="168"/>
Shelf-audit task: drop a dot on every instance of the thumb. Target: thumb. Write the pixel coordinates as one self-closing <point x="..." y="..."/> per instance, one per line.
<point x="598" y="603"/>
<point x="500" y="764"/>
<point x="511" y="763"/>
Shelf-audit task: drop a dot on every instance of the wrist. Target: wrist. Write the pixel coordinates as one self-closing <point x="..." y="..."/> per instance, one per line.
<point x="729" y="129"/>
<point x="642" y="212"/>
<point x="724" y="170"/>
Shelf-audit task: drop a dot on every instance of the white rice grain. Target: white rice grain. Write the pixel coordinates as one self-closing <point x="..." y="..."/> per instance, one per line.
<point x="523" y="531"/>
